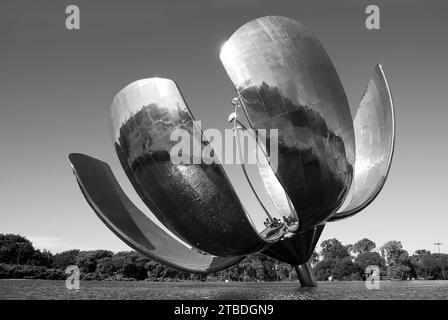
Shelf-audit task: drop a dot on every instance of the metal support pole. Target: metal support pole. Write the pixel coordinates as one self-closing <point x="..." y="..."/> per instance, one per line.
<point x="306" y="275"/>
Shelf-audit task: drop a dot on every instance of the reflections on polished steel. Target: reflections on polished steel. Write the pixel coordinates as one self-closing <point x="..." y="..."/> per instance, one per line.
<point x="194" y="201"/>
<point x="131" y="225"/>
<point x="374" y="126"/>
<point x="286" y="80"/>
<point x="329" y="166"/>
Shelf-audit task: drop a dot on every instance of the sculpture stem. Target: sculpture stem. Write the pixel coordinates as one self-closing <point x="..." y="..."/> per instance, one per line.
<point x="306" y="275"/>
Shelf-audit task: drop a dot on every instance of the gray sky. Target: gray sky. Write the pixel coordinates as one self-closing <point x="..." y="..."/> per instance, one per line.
<point x="56" y="87"/>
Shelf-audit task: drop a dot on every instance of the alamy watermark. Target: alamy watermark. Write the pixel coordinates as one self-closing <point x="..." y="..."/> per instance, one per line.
<point x="72" y="282"/>
<point x="373" y="18"/>
<point x="72" y="21"/>
<point x="372" y="277"/>
<point x="247" y="146"/>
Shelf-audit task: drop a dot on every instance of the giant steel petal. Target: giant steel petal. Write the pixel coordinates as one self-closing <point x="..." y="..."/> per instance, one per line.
<point x="193" y="199"/>
<point x="374" y="126"/>
<point x="120" y="215"/>
<point x="269" y="180"/>
<point x="286" y="81"/>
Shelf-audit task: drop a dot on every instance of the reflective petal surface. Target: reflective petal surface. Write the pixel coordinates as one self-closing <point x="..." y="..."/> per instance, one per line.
<point x="286" y="81"/>
<point x="194" y="200"/>
<point x="270" y="184"/>
<point x="114" y="208"/>
<point x="374" y="126"/>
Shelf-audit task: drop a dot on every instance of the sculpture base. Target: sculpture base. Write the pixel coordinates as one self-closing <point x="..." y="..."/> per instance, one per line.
<point x="306" y="275"/>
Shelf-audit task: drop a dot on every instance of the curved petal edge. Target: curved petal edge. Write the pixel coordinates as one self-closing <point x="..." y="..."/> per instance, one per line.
<point x="374" y="126"/>
<point x="287" y="82"/>
<point x="170" y="163"/>
<point x="124" y="219"/>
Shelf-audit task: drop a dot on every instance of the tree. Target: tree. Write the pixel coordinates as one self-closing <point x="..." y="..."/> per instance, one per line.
<point x="105" y="267"/>
<point x="422" y="252"/>
<point x="397" y="260"/>
<point x="87" y="260"/>
<point x="349" y="248"/>
<point x="15" y="249"/>
<point x="363" y="245"/>
<point x="399" y="272"/>
<point x="338" y="269"/>
<point x="333" y="249"/>
<point x="66" y="258"/>
<point x="428" y="266"/>
<point x="324" y="269"/>
<point x="365" y="259"/>
<point x="336" y="262"/>
<point x="42" y="258"/>
<point x="345" y="269"/>
<point x="130" y="264"/>
<point x="434" y="264"/>
<point x="394" y="253"/>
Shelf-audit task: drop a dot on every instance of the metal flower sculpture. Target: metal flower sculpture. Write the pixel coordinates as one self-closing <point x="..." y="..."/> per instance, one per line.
<point x="330" y="165"/>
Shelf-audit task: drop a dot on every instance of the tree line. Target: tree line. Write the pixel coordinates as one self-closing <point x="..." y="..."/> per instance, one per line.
<point x="19" y="259"/>
<point x="349" y="262"/>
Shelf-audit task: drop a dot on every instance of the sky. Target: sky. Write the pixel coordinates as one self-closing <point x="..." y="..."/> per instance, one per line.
<point x="56" y="87"/>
